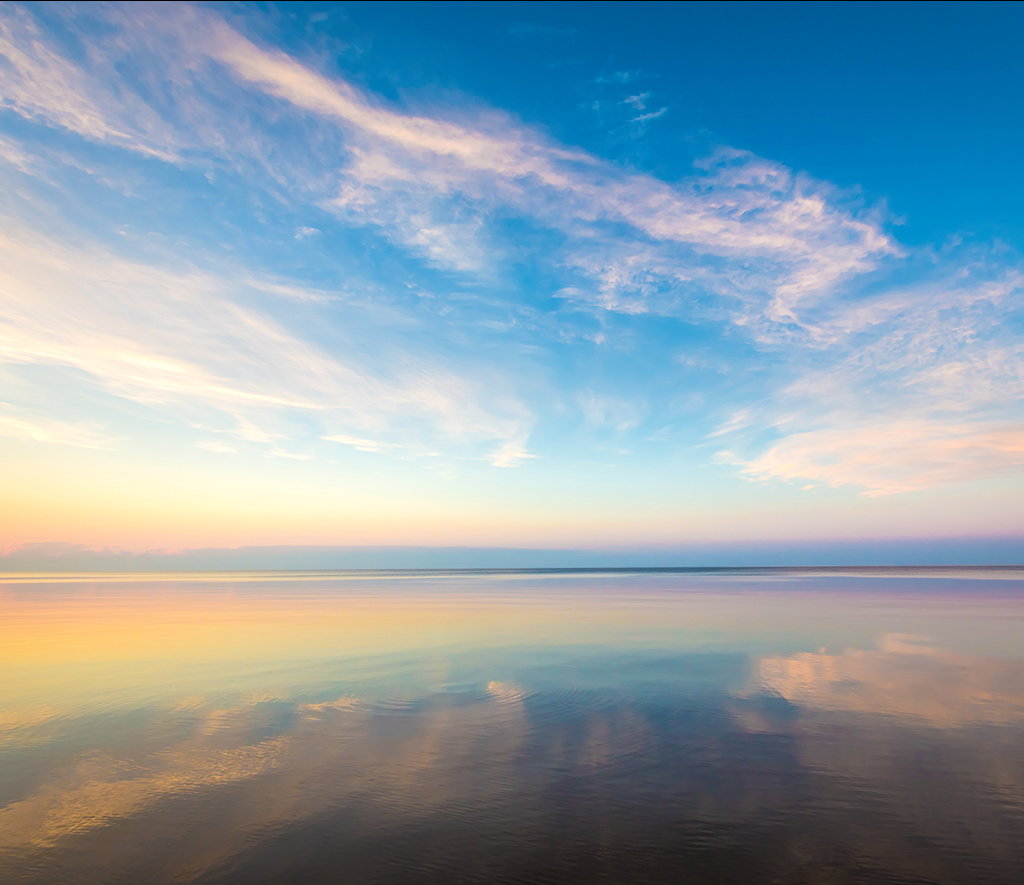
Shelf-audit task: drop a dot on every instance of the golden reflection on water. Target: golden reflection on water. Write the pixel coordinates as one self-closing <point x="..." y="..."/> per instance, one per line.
<point x="904" y="678"/>
<point x="99" y="789"/>
<point x="142" y="708"/>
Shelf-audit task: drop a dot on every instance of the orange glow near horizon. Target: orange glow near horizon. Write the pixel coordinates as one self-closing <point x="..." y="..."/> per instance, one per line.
<point x="98" y="501"/>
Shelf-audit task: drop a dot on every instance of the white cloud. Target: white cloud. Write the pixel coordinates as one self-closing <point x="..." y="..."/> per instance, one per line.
<point x="909" y="389"/>
<point x="651" y="115"/>
<point x="743" y="229"/>
<point x="184" y="340"/>
<point x="894" y="454"/>
<point x="738" y="421"/>
<point x="432" y="183"/>
<point x="511" y="454"/>
<point x="40" y="84"/>
<point x="213" y="445"/>
<point x="30" y="426"/>
<point x="887" y="387"/>
<point x="13" y="154"/>
<point x="363" y="445"/>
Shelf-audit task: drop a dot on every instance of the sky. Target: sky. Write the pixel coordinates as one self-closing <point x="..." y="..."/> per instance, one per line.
<point x="619" y="278"/>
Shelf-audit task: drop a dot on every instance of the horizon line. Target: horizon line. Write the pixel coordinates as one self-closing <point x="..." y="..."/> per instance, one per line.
<point x="555" y="570"/>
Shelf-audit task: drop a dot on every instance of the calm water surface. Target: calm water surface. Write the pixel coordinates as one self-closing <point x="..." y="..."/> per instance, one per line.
<point x="783" y="726"/>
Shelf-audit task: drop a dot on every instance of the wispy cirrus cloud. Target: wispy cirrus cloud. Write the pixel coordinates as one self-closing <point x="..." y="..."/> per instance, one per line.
<point x="363" y="445"/>
<point x="891" y="455"/>
<point x="187" y="340"/>
<point x="876" y="382"/>
<point x="911" y="388"/>
<point x="744" y="229"/>
<point x="40" y="83"/>
<point x="31" y="426"/>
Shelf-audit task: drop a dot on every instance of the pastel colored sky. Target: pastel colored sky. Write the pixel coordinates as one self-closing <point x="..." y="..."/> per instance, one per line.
<point x="552" y="275"/>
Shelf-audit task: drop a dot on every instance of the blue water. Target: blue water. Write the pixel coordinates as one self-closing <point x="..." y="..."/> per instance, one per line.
<point x="772" y="725"/>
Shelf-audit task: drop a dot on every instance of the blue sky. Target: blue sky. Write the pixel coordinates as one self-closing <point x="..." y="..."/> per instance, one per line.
<point x="510" y="274"/>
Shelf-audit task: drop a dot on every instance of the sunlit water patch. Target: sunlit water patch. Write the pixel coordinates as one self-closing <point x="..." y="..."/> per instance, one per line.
<point x="747" y="726"/>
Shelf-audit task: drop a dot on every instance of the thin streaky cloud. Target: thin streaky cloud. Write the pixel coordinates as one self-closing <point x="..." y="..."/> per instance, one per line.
<point x="191" y="345"/>
<point x="28" y="425"/>
<point x="652" y="115"/>
<point x="891" y="456"/>
<point x="406" y="169"/>
<point x="363" y="445"/>
<point x="213" y="445"/>
<point x="39" y="84"/>
<point x="806" y="276"/>
<point x="638" y="101"/>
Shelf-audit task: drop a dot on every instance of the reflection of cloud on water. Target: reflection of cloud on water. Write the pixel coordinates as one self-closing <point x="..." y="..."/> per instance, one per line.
<point x="907" y="643"/>
<point x="330" y="750"/>
<point x="19" y="726"/>
<point x="94" y="789"/>
<point x="343" y="704"/>
<point x="476" y="766"/>
<point x="903" y="677"/>
<point x="462" y="752"/>
<point x="99" y="790"/>
<point x="504" y="692"/>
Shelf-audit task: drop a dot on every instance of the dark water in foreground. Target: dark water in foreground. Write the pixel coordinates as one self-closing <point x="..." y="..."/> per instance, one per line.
<point x="776" y="726"/>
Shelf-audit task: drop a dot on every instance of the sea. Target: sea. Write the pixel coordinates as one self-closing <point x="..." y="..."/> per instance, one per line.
<point x="857" y="725"/>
